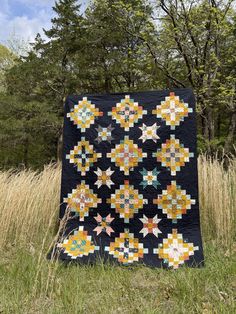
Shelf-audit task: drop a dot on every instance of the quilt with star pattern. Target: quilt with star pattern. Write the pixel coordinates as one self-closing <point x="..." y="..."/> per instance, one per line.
<point x="129" y="187"/>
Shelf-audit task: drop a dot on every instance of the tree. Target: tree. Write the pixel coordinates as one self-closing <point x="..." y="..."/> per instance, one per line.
<point x="130" y="46"/>
<point x="27" y="132"/>
<point x="7" y="60"/>
<point x="49" y="65"/>
<point x="117" y="59"/>
<point x="195" y="49"/>
<point x="49" y="68"/>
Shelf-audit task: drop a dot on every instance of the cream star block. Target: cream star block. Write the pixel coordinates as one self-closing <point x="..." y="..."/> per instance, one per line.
<point x="104" y="177"/>
<point x="149" y="132"/>
<point x="150" y="225"/>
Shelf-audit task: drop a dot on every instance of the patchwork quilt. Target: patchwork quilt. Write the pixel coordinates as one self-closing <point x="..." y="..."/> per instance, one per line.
<point x="129" y="184"/>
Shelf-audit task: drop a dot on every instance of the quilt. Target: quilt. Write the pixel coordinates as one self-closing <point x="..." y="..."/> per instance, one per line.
<point x="129" y="184"/>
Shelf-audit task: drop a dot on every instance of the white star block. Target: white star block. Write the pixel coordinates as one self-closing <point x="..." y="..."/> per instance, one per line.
<point x="149" y="132"/>
<point x="104" y="177"/>
<point x="150" y="225"/>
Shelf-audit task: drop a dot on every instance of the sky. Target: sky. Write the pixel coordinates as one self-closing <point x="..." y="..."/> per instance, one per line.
<point x="23" y="19"/>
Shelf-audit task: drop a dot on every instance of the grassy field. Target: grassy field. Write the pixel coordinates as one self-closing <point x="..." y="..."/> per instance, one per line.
<point x="30" y="284"/>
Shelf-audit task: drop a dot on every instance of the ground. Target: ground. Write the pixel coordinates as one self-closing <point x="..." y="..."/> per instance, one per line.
<point x="31" y="284"/>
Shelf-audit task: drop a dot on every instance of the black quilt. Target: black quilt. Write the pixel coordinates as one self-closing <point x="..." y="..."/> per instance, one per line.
<point x="129" y="179"/>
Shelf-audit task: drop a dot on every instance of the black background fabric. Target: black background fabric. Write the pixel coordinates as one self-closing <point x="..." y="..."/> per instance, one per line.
<point x="187" y="177"/>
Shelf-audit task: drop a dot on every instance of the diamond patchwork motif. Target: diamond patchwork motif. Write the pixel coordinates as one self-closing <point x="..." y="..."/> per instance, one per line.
<point x="84" y="114"/>
<point x="174" y="251"/>
<point x="79" y="244"/>
<point x="173" y="155"/>
<point x="83" y="156"/>
<point x="174" y="202"/>
<point x="127" y="201"/>
<point x="81" y="200"/>
<point x="127" y="112"/>
<point x="127" y="249"/>
<point x="172" y="110"/>
<point x="126" y="155"/>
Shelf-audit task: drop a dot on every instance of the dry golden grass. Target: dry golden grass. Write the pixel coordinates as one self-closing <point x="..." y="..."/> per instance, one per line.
<point x="217" y="192"/>
<point x="29" y="202"/>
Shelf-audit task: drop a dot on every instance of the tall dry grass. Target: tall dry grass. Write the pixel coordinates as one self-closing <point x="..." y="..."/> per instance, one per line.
<point x="29" y="203"/>
<point x="217" y="196"/>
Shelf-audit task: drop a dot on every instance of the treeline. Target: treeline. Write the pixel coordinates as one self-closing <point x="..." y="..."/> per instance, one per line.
<point x="123" y="45"/>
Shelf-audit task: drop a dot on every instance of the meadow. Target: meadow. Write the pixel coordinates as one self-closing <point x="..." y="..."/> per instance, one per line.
<point x="29" y="283"/>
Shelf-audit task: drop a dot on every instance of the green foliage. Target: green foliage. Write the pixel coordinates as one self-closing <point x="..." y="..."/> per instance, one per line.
<point x="132" y="46"/>
<point x="116" y="56"/>
<point x="27" y="132"/>
<point x="7" y="60"/>
<point x="201" y="38"/>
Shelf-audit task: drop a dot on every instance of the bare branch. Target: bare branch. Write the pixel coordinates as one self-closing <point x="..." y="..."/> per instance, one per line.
<point x="178" y="42"/>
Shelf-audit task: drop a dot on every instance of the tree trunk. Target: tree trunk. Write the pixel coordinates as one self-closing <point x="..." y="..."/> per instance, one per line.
<point x="231" y="133"/>
<point x="211" y="123"/>
<point x="26" y="152"/>
<point x="107" y="84"/>
<point x="59" y="147"/>
<point x="205" y="129"/>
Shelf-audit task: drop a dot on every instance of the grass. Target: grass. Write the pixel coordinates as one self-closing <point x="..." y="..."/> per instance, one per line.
<point x="31" y="284"/>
